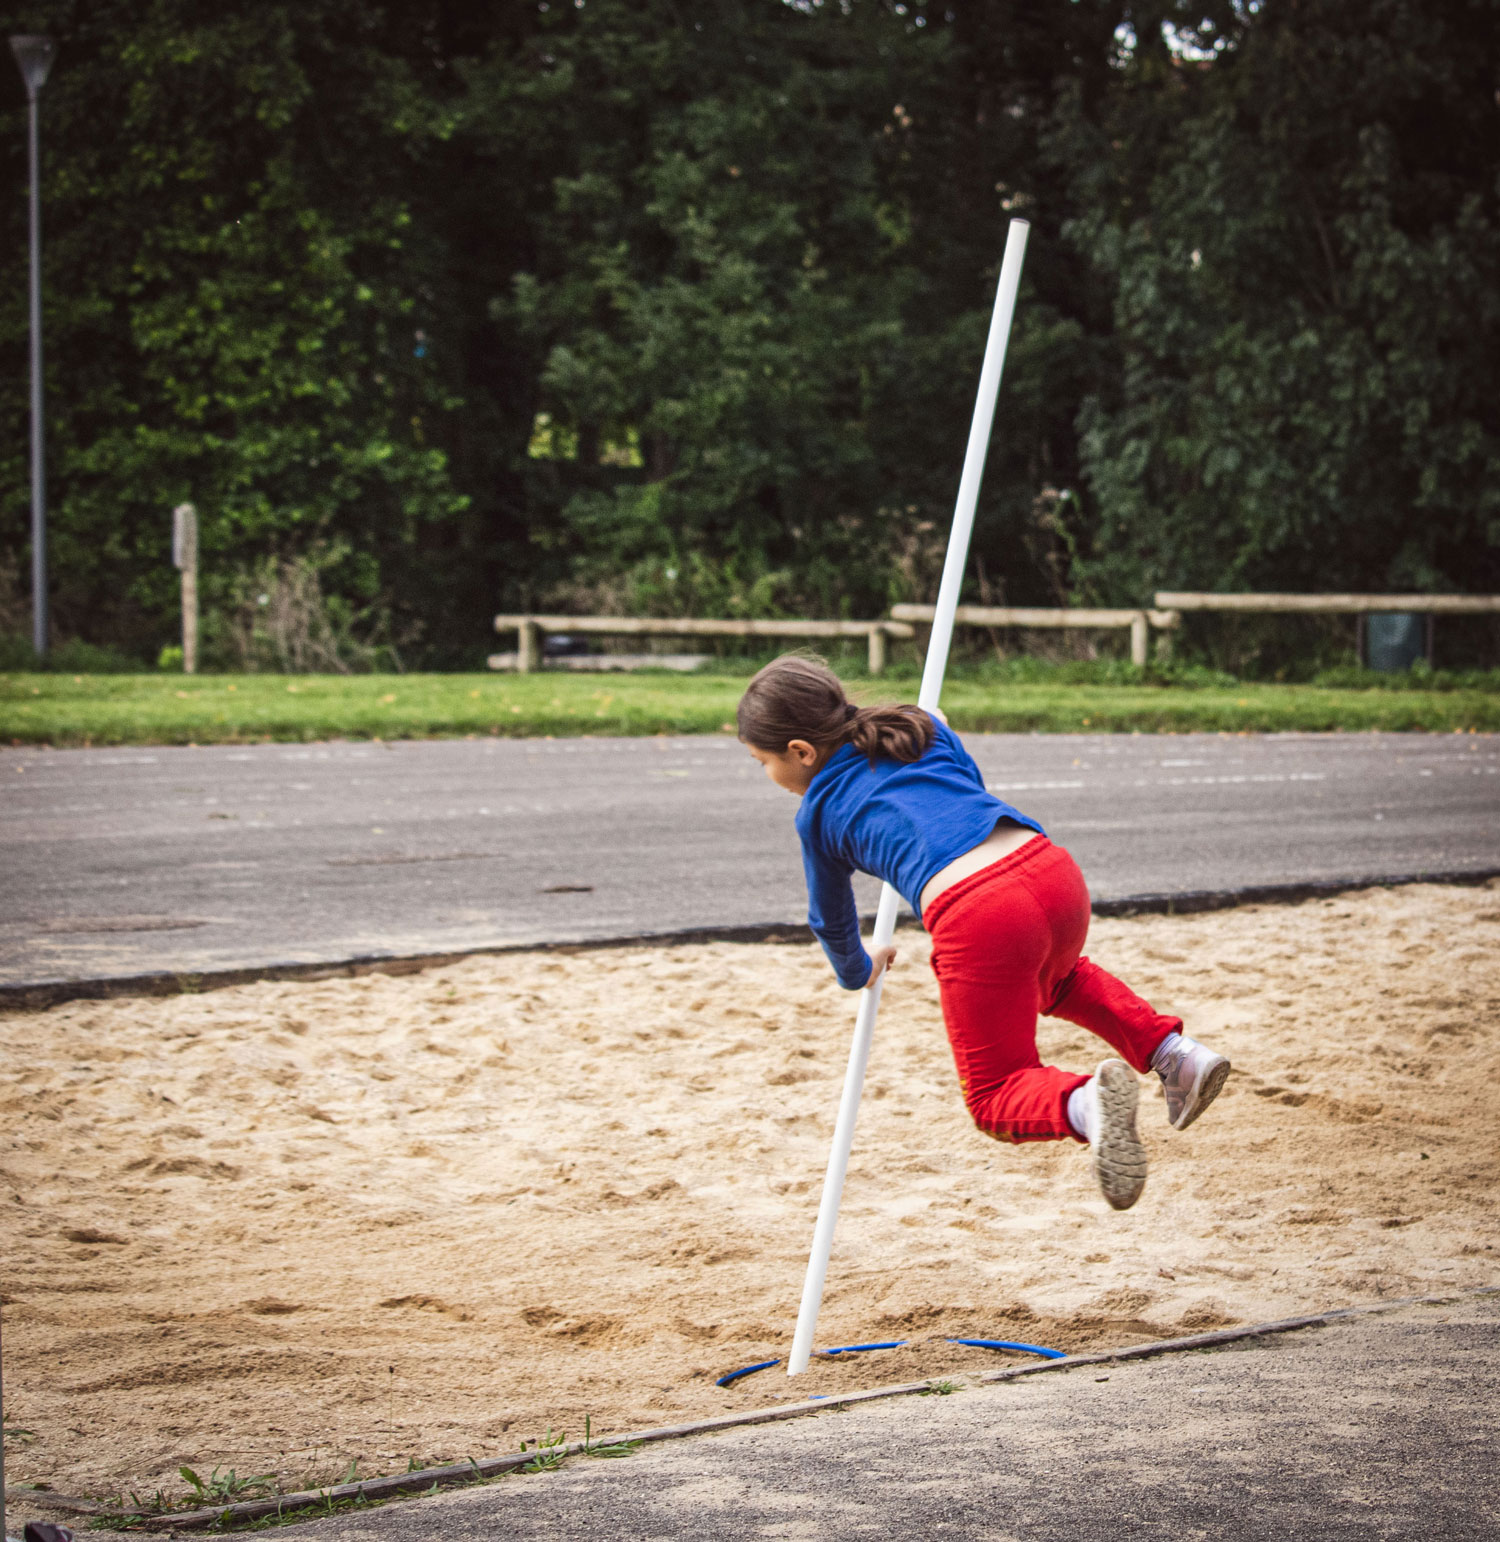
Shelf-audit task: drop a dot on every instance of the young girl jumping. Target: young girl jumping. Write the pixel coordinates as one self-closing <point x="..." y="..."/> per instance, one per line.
<point x="891" y="791"/>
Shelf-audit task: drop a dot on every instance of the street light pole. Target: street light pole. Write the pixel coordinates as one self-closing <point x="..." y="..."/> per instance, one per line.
<point x="34" y="55"/>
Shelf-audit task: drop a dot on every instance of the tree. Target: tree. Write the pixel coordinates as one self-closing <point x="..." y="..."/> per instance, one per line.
<point x="235" y="302"/>
<point x="651" y="304"/>
<point x="762" y="289"/>
<point x="1297" y="208"/>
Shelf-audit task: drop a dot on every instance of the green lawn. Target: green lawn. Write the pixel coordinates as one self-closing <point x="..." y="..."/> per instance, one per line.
<point x="216" y="709"/>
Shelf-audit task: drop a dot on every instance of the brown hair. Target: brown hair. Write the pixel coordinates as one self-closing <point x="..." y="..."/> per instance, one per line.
<point x="799" y="697"/>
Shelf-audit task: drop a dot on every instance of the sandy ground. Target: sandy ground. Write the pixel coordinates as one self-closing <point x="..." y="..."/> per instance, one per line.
<point x="286" y="1226"/>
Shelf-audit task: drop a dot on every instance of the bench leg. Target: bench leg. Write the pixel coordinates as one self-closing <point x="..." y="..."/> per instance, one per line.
<point x="1138" y="641"/>
<point x="877" y="651"/>
<point x="528" y="648"/>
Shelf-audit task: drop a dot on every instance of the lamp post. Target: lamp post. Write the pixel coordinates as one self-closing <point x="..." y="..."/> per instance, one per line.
<point x="34" y="55"/>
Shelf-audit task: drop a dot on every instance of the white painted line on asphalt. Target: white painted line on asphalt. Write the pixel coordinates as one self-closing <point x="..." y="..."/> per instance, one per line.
<point x="1164" y="781"/>
<point x="1028" y="786"/>
<point x="1202" y="781"/>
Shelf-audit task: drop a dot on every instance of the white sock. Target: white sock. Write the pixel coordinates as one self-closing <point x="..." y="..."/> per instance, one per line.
<point x="1168" y="1045"/>
<point x="1083" y="1109"/>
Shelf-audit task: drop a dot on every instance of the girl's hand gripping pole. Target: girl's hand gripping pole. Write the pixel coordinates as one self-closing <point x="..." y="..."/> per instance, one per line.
<point x="932" y="688"/>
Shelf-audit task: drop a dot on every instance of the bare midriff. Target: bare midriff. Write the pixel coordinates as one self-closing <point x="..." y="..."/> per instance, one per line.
<point x="1006" y="837"/>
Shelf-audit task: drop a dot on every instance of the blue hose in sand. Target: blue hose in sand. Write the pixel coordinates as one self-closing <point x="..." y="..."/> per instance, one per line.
<point x="855" y="1349"/>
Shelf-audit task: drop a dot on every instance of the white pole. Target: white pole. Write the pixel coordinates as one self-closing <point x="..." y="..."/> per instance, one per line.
<point x="932" y="689"/>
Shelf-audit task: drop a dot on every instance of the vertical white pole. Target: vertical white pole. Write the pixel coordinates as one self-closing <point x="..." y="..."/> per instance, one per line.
<point x="932" y="689"/>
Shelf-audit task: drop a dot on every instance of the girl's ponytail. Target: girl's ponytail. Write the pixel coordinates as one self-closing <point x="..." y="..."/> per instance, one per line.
<point x="890" y="733"/>
<point x="799" y="697"/>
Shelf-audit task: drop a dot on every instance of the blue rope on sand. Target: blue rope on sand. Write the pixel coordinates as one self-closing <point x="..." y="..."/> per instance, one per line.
<point x="1030" y="1349"/>
<point x="856" y="1349"/>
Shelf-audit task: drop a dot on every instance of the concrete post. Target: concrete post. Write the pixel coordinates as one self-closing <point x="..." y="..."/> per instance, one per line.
<point x="185" y="556"/>
<point x="1138" y="639"/>
<point x="877" y="650"/>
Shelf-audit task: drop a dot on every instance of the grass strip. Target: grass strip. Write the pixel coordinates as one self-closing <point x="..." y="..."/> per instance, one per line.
<point x="74" y="710"/>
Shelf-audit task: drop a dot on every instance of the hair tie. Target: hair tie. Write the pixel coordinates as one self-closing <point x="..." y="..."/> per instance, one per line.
<point x="850" y="710"/>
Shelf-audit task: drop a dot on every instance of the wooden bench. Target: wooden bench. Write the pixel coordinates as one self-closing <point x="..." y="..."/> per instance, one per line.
<point x="1362" y="606"/>
<point x="1008" y="615"/>
<point x="1336" y="604"/>
<point x="531" y="629"/>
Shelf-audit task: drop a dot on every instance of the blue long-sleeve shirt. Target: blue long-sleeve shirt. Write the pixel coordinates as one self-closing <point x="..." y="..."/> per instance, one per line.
<point x="903" y="821"/>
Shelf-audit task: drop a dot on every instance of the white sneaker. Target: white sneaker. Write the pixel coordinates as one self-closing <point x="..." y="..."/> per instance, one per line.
<point x="1118" y="1155"/>
<point x="1193" y="1076"/>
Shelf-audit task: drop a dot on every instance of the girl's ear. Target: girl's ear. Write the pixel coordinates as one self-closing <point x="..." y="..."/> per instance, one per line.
<point x="802" y="752"/>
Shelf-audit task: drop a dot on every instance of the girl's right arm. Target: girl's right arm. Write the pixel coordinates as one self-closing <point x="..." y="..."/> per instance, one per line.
<point x="832" y="914"/>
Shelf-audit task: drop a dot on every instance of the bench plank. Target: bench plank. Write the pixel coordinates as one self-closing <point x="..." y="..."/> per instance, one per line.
<point x="1334" y="604"/>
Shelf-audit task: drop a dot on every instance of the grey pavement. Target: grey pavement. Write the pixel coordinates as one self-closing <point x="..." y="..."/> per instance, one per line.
<point x="132" y="861"/>
<point x="1381" y="1426"/>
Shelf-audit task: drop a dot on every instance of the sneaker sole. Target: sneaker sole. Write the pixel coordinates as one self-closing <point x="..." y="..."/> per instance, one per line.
<point x="1208" y="1087"/>
<point x="1119" y="1156"/>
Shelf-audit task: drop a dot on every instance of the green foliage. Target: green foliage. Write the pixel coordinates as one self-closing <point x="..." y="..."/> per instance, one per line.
<point x="1022" y="670"/>
<point x="550" y="1452"/>
<point x="278" y="617"/>
<point x="1418" y="678"/>
<point x="231" y="303"/>
<point x="438" y="309"/>
<point x="225" y="1487"/>
<point x="1305" y="255"/>
<point x="758" y="266"/>
<point x="606" y="1450"/>
<point x="73" y="657"/>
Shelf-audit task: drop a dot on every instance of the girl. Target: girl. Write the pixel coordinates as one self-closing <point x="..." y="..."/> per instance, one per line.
<point x="891" y="792"/>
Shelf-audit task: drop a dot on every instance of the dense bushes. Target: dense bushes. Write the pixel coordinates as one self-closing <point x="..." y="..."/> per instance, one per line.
<point x="637" y="304"/>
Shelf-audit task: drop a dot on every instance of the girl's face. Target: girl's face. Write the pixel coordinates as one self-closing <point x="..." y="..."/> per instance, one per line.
<point x="793" y="769"/>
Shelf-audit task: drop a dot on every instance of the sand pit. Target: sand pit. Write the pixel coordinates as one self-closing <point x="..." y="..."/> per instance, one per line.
<point x="286" y="1226"/>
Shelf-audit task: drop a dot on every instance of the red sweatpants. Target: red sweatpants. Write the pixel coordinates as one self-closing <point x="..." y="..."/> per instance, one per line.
<point x="1006" y="946"/>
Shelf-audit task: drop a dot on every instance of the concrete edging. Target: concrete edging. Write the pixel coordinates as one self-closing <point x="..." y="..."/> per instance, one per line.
<point x="50" y="993"/>
<point x="380" y="1489"/>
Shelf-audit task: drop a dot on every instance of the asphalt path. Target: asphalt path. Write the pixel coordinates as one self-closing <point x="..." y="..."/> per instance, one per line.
<point x="123" y="862"/>
<point x="1372" y="1429"/>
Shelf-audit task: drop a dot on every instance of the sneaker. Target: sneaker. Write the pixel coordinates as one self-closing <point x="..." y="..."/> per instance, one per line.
<point x="1118" y="1155"/>
<point x="1193" y="1076"/>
